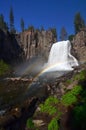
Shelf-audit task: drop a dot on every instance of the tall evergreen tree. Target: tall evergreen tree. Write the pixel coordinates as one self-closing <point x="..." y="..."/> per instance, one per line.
<point x="22" y="24"/>
<point x="3" y="24"/>
<point x="12" y="30"/>
<point x="78" y="22"/>
<point x="1" y="21"/>
<point x="53" y="30"/>
<point x="63" y="34"/>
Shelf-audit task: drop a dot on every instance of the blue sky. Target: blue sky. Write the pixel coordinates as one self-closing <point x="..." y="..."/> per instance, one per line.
<point x="47" y="13"/>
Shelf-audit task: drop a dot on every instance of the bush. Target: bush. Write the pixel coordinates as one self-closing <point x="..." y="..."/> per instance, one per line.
<point x="76" y="90"/>
<point x="79" y="119"/>
<point x="68" y="99"/>
<point x="4" y="68"/>
<point x="53" y="125"/>
<point x="30" y="124"/>
<point x="51" y="100"/>
<point x="48" y="109"/>
<point x="49" y="105"/>
<point x="81" y="76"/>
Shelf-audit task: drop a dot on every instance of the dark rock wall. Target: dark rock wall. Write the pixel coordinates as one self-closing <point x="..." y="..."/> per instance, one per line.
<point x="10" y="50"/>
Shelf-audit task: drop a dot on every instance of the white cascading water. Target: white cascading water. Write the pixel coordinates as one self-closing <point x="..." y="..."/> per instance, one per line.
<point x="60" y="58"/>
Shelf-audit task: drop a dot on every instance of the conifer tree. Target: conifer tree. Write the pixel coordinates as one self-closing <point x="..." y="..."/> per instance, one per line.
<point x="22" y="24"/>
<point x="12" y="30"/>
<point x="63" y="34"/>
<point x="3" y="24"/>
<point x="78" y="22"/>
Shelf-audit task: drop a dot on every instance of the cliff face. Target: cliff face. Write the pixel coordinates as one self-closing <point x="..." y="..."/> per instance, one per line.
<point x="30" y="44"/>
<point x="25" y="45"/>
<point x="36" y="43"/>
<point x="79" y="46"/>
<point x="10" y="50"/>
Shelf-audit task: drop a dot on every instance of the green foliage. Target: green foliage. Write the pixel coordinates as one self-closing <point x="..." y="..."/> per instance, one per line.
<point x="79" y="118"/>
<point x="48" y="109"/>
<point x="3" y="24"/>
<point x="76" y="90"/>
<point x="81" y="76"/>
<point x="4" y="68"/>
<point x="30" y="124"/>
<point x="78" y="22"/>
<point x="68" y="99"/>
<point x="70" y="37"/>
<point x="53" y="30"/>
<point x="49" y="106"/>
<point x="53" y="125"/>
<point x="51" y="100"/>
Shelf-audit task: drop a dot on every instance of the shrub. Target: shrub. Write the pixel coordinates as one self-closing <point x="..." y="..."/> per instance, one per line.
<point x="51" y="100"/>
<point x="81" y="76"/>
<point x="68" y="99"/>
<point x="30" y="124"/>
<point x="4" y="68"/>
<point x="76" y="90"/>
<point x="48" y="109"/>
<point x="53" y="125"/>
<point x="49" y="105"/>
<point x="79" y="119"/>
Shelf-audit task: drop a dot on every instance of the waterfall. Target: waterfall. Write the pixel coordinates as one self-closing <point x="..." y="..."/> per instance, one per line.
<point x="60" y="58"/>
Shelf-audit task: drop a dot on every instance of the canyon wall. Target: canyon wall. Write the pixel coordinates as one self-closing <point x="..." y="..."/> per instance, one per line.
<point x="26" y="45"/>
<point x="36" y="43"/>
<point x="79" y="45"/>
<point x="10" y="50"/>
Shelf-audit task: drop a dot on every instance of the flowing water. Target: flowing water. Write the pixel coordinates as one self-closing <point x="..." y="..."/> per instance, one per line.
<point x="60" y="61"/>
<point x="60" y="58"/>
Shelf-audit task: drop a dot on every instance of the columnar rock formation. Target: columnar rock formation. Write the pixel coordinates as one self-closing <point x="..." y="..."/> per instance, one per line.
<point x="32" y="43"/>
<point x="79" y="45"/>
<point x="25" y="45"/>
<point x="36" y="43"/>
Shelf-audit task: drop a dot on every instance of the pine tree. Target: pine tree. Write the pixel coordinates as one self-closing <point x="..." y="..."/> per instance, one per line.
<point x="78" y="22"/>
<point x="63" y="34"/>
<point x="12" y="30"/>
<point x="22" y="24"/>
<point x="1" y="21"/>
<point x="53" y="30"/>
<point x="3" y="24"/>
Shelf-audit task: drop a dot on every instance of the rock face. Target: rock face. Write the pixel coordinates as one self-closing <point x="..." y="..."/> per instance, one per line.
<point x="32" y="43"/>
<point x="25" y="45"/>
<point x="9" y="47"/>
<point x="79" y="46"/>
<point x="36" y="43"/>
